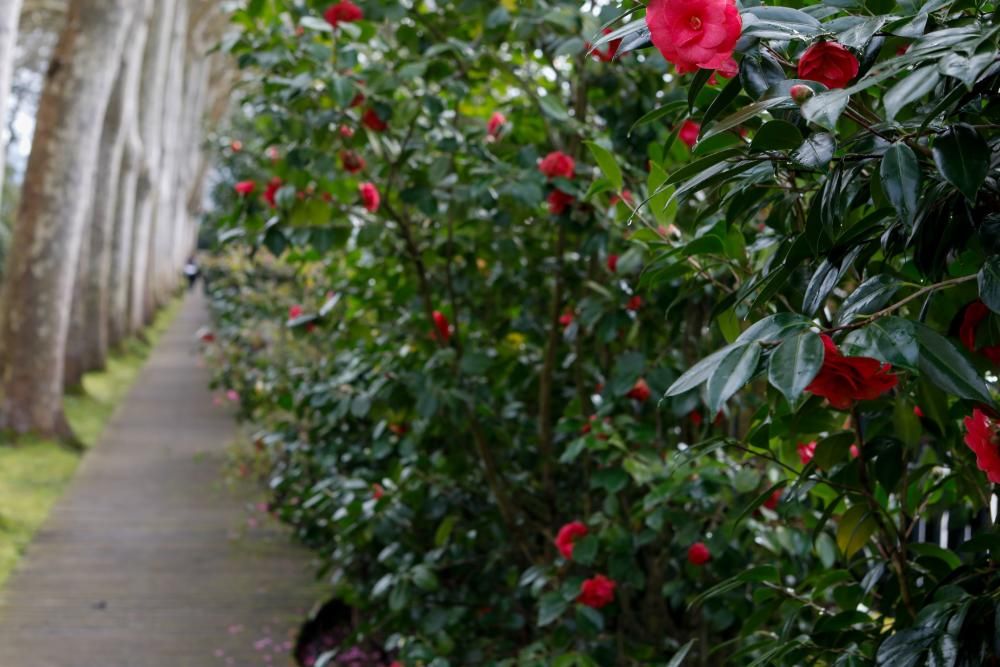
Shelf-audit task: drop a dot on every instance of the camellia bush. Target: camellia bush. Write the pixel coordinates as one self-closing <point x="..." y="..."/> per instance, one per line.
<point x="615" y="335"/>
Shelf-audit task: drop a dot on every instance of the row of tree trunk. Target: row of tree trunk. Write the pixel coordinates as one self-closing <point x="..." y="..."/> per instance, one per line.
<point x="109" y="201"/>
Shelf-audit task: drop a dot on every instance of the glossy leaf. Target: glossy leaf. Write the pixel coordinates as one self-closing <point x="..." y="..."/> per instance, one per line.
<point x="900" y="174"/>
<point x="963" y="158"/>
<point x="795" y="363"/>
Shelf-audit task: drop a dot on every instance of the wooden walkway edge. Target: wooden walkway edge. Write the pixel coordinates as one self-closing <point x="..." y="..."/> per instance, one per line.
<point x="149" y="559"/>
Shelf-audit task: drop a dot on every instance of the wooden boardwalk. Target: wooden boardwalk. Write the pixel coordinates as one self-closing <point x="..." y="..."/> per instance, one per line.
<point x="150" y="559"/>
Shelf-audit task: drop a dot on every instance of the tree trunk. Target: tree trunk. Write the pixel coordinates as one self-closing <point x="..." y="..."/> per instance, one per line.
<point x="119" y="280"/>
<point x="156" y="61"/>
<point x="38" y="284"/>
<point x="10" y="12"/>
<point x="95" y="289"/>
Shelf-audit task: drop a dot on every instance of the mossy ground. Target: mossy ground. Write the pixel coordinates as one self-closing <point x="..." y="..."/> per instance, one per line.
<point x="35" y="472"/>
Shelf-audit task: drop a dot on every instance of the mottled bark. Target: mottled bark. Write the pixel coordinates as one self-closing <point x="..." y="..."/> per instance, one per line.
<point x="156" y="61"/>
<point x="10" y="11"/>
<point x="38" y="284"/>
<point x="87" y="347"/>
<point x="119" y="280"/>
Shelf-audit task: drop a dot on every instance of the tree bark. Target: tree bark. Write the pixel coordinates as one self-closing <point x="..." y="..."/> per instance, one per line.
<point x="87" y="347"/>
<point x="119" y="280"/>
<point x="156" y="61"/>
<point x="38" y="284"/>
<point x="10" y="12"/>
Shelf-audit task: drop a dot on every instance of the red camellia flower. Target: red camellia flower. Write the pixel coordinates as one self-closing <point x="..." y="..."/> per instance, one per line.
<point x="566" y="319"/>
<point x="597" y="592"/>
<point x="567" y="537"/>
<point x="358" y="99"/>
<point x="270" y="194"/>
<point x="772" y="500"/>
<point x="496" y="123"/>
<point x="370" y="196"/>
<point x="972" y="317"/>
<point x="245" y="188"/>
<point x="442" y="325"/>
<point x="844" y="380"/>
<point x="345" y="11"/>
<point x="854" y="451"/>
<point x="236" y="145"/>
<point x="689" y="133"/>
<point x="294" y="312"/>
<point x="612" y="263"/>
<point x="377" y="491"/>
<point x="558" y="165"/>
<point x="559" y="201"/>
<point x="698" y="554"/>
<point x="806" y="452"/>
<point x="981" y="437"/>
<point x="351" y="161"/>
<point x="695" y="34"/>
<point x="373" y="121"/>
<point x="635" y="303"/>
<point x="346" y="131"/>
<point x="918" y="412"/>
<point x="695" y="417"/>
<point x="640" y="391"/>
<point x="829" y="63"/>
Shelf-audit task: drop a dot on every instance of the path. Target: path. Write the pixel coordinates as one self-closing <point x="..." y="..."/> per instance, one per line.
<point x="150" y="560"/>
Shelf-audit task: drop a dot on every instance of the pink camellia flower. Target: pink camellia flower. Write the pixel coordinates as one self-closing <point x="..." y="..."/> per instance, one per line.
<point x="854" y="451"/>
<point x="442" y="325"/>
<point x="236" y="145"/>
<point x="295" y="312"/>
<point x="351" y="161"/>
<point x="346" y="131"/>
<point x="344" y="11"/>
<point x="233" y="395"/>
<point x="370" y="196"/>
<point x="695" y="34"/>
<point x="597" y="592"/>
<point x="829" y="63"/>
<point x="689" y="133"/>
<point x="373" y="121"/>
<point x="698" y="554"/>
<point x="559" y="201"/>
<point x="981" y="437"/>
<point x="612" y="263"/>
<point x="634" y="304"/>
<point x="558" y="165"/>
<point x="245" y="188"/>
<point x="806" y="452"/>
<point x="271" y="193"/>
<point x="567" y="537"/>
<point x="273" y="153"/>
<point x="640" y="391"/>
<point x="496" y="123"/>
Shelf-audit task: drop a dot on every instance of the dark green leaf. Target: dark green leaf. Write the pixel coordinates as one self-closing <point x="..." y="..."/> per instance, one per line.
<point x="795" y="363"/>
<point x="912" y="88"/>
<point x="900" y="173"/>
<point x="816" y="152"/>
<point x="892" y="340"/>
<point x="989" y="283"/>
<point x="870" y="296"/>
<point x="963" y="158"/>
<point x="733" y="371"/>
<point x="776" y="135"/>
<point x="947" y="367"/>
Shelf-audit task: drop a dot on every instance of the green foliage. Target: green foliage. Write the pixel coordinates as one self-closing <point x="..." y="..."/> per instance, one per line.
<point x="431" y="467"/>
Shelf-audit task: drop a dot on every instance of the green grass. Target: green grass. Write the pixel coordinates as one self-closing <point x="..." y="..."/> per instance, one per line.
<point x="35" y="472"/>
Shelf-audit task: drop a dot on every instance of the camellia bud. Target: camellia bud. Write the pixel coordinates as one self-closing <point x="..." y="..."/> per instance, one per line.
<point x="800" y="93"/>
